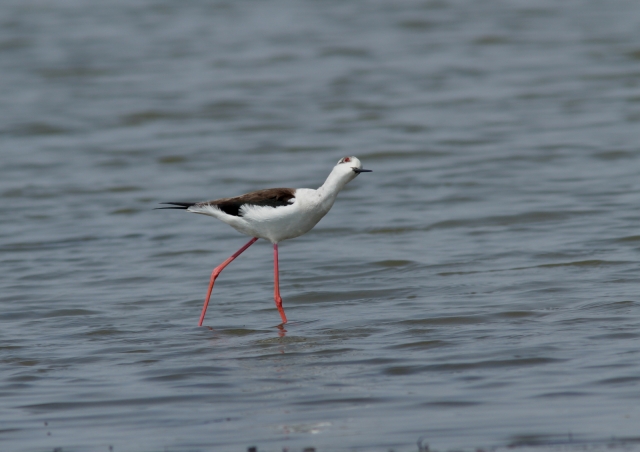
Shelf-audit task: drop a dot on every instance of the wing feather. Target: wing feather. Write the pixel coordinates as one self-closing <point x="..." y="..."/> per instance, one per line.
<point x="271" y="197"/>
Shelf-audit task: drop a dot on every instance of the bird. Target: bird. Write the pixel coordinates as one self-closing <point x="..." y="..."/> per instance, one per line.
<point x="274" y="214"/>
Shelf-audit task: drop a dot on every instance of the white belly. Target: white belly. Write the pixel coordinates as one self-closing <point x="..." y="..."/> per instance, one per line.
<point x="278" y="223"/>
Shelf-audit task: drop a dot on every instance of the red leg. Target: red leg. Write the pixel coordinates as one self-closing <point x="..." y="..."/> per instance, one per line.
<point x="276" y="283"/>
<point x="216" y="272"/>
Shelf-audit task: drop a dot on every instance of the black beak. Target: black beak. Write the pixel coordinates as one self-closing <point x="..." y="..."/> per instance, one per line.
<point x="361" y="170"/>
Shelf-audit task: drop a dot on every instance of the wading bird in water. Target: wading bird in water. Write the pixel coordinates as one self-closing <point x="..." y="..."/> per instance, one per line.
<point x="274" y="214"/>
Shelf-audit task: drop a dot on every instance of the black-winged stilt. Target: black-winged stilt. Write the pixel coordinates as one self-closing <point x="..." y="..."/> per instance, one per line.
<point x="274" y="214"/>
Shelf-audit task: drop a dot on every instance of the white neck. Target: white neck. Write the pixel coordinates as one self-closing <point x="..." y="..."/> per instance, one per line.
<point x="335" y="182"/>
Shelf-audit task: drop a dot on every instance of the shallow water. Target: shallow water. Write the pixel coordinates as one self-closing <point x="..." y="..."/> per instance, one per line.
<point x="478" y="289"/>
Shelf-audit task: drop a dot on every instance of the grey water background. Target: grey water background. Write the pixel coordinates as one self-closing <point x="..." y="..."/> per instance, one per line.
<point x="480" y="288"/>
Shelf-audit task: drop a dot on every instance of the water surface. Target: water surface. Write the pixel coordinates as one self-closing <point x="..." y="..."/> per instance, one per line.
<point x="478" y="289"/>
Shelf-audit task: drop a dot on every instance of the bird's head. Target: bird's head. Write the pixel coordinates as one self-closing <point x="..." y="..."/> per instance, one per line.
<point x="344" y="172"/>
<point x="350" y="167"/>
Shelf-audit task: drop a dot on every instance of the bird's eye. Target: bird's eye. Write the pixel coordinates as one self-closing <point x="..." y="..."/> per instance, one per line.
<point x="346" y="159"/>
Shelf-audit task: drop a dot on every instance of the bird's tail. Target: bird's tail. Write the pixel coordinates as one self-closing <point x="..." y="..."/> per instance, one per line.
<point x="177" y="205"/>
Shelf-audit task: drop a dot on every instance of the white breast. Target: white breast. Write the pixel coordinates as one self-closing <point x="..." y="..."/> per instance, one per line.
<point x="285" y="222"/>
